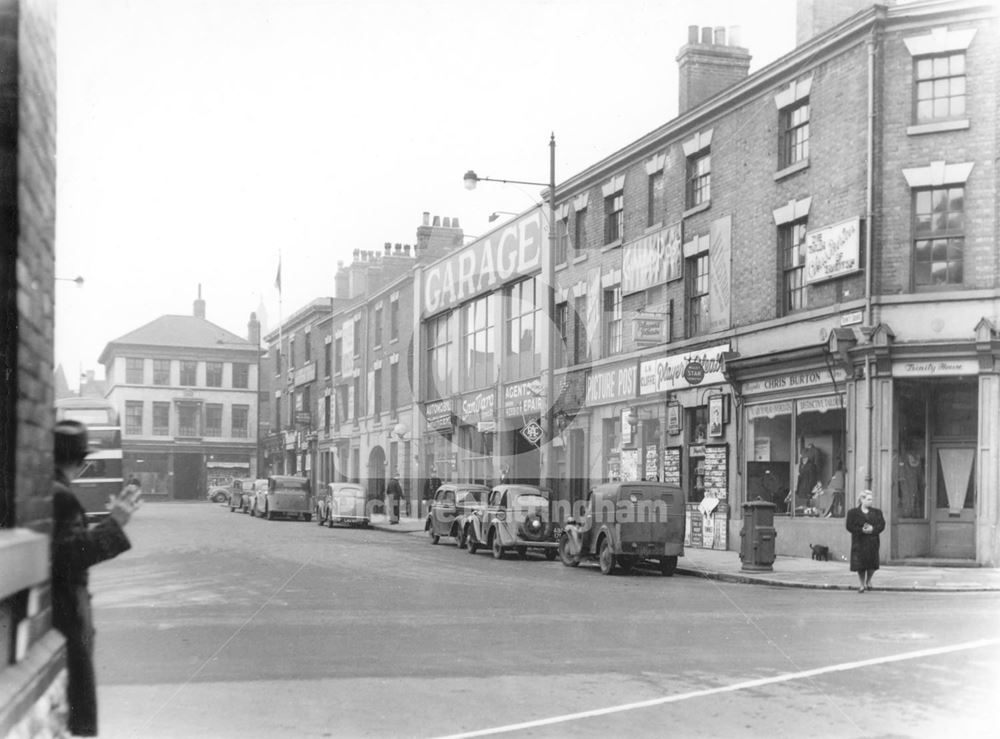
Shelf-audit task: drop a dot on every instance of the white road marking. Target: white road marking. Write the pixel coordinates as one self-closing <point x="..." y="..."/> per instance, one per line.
<point x="745" y="685"/>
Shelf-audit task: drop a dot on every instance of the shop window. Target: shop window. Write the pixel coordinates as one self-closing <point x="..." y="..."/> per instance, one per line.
<point x="612" y="430"/>
<point x="795" y="452"/>
<point x="697" y="427"/>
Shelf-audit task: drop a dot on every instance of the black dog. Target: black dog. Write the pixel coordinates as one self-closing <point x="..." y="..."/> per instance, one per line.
<point x="820" y="552"/>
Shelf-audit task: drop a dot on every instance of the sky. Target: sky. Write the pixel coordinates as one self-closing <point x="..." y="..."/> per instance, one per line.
<point x="198" y="140"/>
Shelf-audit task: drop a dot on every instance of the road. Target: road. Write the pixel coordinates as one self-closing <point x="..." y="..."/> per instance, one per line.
<point x="219" y="625"/>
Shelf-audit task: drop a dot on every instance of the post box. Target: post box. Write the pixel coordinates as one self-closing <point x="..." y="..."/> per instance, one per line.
<point x="757" y="536"/>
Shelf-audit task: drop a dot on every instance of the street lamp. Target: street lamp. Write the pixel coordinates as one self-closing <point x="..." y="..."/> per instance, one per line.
<point x="471" y="179"/>
<point x="497" y="213"/>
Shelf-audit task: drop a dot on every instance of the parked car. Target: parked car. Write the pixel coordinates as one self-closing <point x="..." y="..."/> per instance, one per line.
<point x="235" y="497"/>
<point x="286" y="495"/>
<point x="343" y="502"/>
<point x="515" y="517"/>
<point x="248" y="495"/>
<point x="626" y="523"/>
<point x="218" y="493"/>
<point x="453" y="503"/>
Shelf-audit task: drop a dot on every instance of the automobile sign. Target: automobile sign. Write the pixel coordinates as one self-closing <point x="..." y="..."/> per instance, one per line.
<point x="532" y="432"/>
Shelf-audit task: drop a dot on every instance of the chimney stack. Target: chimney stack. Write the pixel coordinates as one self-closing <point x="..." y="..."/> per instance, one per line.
<point x="253" y="330"/>
<point x="709" y="65"/>
<point x="199" y="305"/>
<point x="813" y="17"/>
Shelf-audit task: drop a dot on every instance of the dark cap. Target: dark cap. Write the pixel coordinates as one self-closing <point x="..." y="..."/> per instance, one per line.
<point x="71" y="444"/>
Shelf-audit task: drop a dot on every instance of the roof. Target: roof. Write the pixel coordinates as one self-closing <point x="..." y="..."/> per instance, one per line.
<point x="187" y="332"/>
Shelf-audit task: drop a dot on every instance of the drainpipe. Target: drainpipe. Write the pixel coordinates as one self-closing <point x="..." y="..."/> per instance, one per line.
<point x="869" y="209"/>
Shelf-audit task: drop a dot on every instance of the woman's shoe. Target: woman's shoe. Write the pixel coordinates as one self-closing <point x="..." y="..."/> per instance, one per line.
<point x="861" y="589"/>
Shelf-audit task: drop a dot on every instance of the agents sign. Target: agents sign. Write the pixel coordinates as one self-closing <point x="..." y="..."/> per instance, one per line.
<point x="512" y="251"/>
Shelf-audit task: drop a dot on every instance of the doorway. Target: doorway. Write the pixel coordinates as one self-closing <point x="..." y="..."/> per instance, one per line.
<point x="953" y="499"/>
<point x="188" y="476"/>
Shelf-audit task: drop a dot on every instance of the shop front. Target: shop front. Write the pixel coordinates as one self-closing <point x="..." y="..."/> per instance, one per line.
<point x="439" y="455"/>
<point x="685" y="429"/>
<point x="795" y="446"/>
<point x="476" y="431"/>
<point x="520" y="431"/>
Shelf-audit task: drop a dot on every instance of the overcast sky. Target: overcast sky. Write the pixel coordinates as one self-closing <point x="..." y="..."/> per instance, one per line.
<point x="198" y="138"/>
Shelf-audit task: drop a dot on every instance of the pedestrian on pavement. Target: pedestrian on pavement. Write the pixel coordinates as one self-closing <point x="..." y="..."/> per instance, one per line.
<point x="394" y="492"/>
<point x="75" y="548"/>
<point x="865" y="524"/>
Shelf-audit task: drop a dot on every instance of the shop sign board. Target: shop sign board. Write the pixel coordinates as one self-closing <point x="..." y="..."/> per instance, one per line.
<point x="935" y="368"/>
<point x="523" y="398"/>
<point x="833" y="251"/>
<point x="822" y="404"/>
<point x="649" y="331"/>
<point x="652" y="260"/>
<point x="532" y="432"/>
<point x="769" y="410"/>
<point x="512" y="251"/>
<point x="611" y="384"/>
<point x="305" y="374"/>
<point x="438" y="413"/>
<point x="666" y="374"/>
<point x="478" y="407"/>
<point x="794" y="380"/>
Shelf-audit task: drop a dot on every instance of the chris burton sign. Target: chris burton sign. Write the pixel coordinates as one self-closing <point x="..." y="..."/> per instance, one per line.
<point x="833" y="251"/>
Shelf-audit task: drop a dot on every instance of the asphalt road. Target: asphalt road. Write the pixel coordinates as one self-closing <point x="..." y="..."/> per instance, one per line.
<point x="219" y="625"/>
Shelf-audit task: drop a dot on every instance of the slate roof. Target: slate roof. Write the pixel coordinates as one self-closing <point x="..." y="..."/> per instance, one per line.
<point x="182" y="332"/>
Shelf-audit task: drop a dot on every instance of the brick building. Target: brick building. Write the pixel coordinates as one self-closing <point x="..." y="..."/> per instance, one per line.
<point x="795" y="276"/>
<point x="32" y="654"/>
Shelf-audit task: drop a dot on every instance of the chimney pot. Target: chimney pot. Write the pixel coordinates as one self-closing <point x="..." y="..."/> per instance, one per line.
<point x="692" y="34"/>
<point x="437" y="220"/>
<point x="388" y="248"/>
<point x="720" y="36"/>
<point x="706" y="35"/>
<point x="454" y="222"/>
<point x="447" y="222"/>
<point x="406" y="249"/>
<point x="427" y="218"/>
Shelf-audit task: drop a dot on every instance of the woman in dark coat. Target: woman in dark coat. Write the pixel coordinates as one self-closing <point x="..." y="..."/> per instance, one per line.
<point x="865" y="524"/>
<point x="75" y="547"/>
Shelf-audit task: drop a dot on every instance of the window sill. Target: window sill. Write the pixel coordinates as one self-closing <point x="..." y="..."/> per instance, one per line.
<point x="653" y="227"/>
<point x="613" y="245"/>
<point x="937" y="127"/>
<point x="581" y="258"/>
<point x="561" y="266"/>
<point x="696" y="209"/>
<point x="25" y="556"/>
<point x="791" y="169"/>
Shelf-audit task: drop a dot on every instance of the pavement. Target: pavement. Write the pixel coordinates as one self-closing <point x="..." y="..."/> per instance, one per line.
<point x="797" y="572"/>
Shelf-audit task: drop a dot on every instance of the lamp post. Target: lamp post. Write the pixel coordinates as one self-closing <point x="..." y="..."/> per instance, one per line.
<point x="471" y="179"/>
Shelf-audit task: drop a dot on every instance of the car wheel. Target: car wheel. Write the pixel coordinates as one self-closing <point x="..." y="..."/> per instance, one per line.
<point x="668" y="565"/>
<point x="268" y="514"/>
<point x="308" y="517"/>
<point x="470" y="542"/>
<point x="606" y="558"/>
<point x="551" y="554"/>
<point x="250" y="510"/>
<point x="522" y="552"/>
<point x="434" y="537"/>
<point x="460" y="539"/>
<point x="565" y="555"/>
<point x="497" y="547"/>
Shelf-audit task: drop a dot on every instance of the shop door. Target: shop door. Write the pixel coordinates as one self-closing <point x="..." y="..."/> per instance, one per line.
<point x="953" y="500"/>
<point x="188" y="473"/>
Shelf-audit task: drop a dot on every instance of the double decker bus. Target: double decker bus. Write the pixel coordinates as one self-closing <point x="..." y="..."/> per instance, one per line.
<point x="102" y="473"/>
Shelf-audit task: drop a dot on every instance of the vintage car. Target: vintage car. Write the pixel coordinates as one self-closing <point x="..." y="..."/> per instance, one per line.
<point x="516" y="517"/>
<point x="626" y="523"/>
<point x="453" y="503"/>
<point x="248" y="494"/>
<point x="343" y="502"/>
<point x="218" y="493"/>
<point x="286" y="496"/>
<point x="234" y="493"/>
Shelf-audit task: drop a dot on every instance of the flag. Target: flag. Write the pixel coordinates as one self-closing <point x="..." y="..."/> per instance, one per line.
<point x="277" y="279"/>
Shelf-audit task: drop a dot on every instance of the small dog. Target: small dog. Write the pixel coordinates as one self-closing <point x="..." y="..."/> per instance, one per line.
<point x="820" y="552"/>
